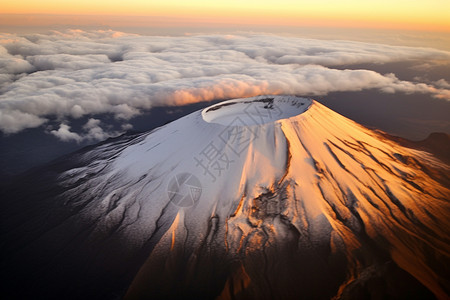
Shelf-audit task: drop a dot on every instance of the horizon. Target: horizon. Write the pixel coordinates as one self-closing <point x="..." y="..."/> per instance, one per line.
<point x="416" y="23"/>
<point x="411" y="15"/>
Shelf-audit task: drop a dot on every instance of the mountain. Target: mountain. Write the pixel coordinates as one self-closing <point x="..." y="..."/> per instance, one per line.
<point x="437" y="143"/>
<point x="270" y="197"/>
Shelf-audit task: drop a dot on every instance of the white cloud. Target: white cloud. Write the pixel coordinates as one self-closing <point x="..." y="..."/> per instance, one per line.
<point x="13" y="121"/>
<point x="64" y="134"/>
<point x="91" y="131"/>
<point x="442" y="83"/>
<point x="77" y="73"/>
<point x="94" y="132"/>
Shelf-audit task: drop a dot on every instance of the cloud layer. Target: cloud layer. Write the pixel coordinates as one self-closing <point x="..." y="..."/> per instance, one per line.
<point x="76" y="74"/>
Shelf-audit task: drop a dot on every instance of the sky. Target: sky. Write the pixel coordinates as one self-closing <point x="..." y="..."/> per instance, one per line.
<point x="78" y="72"/>
<point x="428" y="15"/>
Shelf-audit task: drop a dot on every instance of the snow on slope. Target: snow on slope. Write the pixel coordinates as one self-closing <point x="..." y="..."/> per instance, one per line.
<point x="264" y="197"/>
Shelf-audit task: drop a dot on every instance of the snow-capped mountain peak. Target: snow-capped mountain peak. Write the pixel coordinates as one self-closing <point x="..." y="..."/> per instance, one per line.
<point x="263" y="197"/>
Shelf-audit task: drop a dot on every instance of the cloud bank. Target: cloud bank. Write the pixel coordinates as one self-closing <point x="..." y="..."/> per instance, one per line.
<point x="74" y="74"/>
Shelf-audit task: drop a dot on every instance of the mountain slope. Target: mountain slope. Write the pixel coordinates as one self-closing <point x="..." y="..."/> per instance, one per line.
<point x="265" y="197"/>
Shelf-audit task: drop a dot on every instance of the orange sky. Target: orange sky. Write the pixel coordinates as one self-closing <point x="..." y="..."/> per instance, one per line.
<point x="397" y="14"/>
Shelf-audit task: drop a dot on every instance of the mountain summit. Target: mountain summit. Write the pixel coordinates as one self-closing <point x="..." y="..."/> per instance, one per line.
<point x="270" y="197"/>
